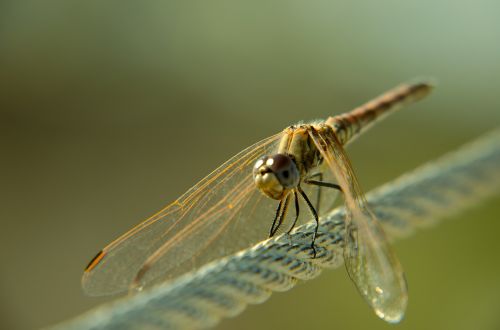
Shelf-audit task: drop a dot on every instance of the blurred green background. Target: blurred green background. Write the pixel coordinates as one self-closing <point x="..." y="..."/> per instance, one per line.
<point x="109" y="110"/>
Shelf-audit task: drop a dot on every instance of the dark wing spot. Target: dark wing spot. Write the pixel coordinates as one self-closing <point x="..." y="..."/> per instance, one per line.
<point x="98" y="257"/>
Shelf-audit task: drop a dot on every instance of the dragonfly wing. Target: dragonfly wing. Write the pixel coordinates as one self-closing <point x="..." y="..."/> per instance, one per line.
<point x="193" y="230"/>
<point x="369" y="259"/>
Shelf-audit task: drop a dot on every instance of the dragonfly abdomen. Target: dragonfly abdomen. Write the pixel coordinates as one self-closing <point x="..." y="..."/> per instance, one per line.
<point x="349" y="125"/>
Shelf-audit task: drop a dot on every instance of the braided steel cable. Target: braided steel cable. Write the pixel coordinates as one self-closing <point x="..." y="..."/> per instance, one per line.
<point x="224" y="288"/>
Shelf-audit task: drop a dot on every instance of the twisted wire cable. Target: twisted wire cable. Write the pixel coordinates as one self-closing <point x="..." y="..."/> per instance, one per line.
<point x="224" y="288"/>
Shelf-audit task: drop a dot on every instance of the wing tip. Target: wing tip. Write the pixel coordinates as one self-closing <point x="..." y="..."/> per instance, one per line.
<point x="95" y="261"/>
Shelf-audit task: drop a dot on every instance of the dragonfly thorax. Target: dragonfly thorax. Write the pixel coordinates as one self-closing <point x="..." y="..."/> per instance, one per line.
<point x="275" y="175"/>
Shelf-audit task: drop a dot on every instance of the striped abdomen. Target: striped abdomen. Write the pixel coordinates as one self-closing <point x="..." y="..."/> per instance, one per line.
<point x="350" y="124"/>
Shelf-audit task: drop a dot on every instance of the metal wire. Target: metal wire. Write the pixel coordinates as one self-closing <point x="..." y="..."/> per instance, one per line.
<point x="225" y="287"/>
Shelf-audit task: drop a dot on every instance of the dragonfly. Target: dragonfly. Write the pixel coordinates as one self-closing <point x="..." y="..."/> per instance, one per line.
<point x="306" y="166"/>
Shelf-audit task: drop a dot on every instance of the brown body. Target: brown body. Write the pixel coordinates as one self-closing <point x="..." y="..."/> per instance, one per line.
<point x="297" y="142"/>
<point x="349" y="125"/>
<point x="200" y="225"/>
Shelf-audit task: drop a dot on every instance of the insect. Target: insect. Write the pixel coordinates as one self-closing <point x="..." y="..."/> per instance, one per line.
<point x="304" y="165"/>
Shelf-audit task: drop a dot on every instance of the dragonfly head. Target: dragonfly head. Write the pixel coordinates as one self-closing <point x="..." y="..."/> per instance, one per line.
<point x="275" y="175"/>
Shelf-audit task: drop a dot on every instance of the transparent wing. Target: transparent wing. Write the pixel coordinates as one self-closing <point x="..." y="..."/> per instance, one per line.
<point x="220" y="215"/>
<point x="370" y="262"/>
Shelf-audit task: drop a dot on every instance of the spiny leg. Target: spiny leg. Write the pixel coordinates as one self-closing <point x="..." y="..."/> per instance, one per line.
<point x="296" y="197"/>
<point x="281" y="216"/>
<point x="323" y="184"/>
<point x="315" y="214"/>
<point x="318" y="194"/>
<point x="278" y="211"/>
<point x="320" y="184"/>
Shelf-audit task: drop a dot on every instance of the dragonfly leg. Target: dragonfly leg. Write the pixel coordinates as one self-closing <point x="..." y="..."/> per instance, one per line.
<point x="318" y="175"/>
<point x="315" y="214"/>
<point x="278" y="212"/>
<point x="280" y="216"/>
<point x="323" y="184"/>
<point x="320" y="183"/>
<point x="296" y="197"/>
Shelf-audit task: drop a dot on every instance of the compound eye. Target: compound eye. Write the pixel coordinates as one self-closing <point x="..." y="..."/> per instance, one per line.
<point x="285" y="170"/>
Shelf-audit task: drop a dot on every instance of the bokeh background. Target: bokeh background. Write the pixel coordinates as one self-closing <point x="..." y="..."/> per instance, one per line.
<point x="109" y="110"/>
